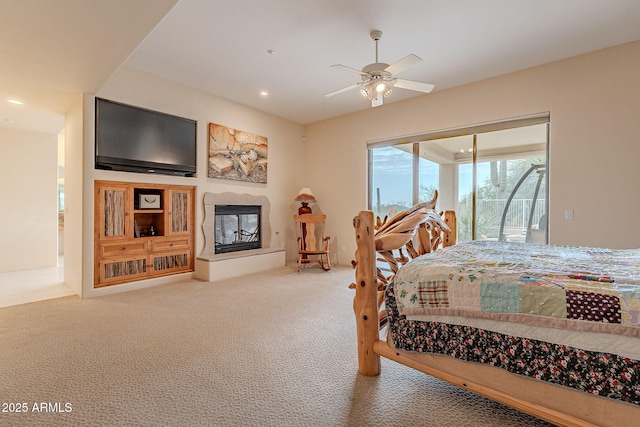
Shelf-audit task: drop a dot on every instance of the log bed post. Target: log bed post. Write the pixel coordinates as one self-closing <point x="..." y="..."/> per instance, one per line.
<point x="365" y="303"/>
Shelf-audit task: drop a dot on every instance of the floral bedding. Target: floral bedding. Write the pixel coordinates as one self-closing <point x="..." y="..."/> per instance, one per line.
<point x="586" y="289"/>
<point x="598" y="373"/>
<point x="438" y="303"/>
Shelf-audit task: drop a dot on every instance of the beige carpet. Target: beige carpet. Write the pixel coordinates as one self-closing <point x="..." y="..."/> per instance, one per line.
<point x="274" y="349"/>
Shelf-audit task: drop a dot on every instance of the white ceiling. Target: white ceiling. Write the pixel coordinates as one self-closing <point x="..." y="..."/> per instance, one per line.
<point x="51" y="51"/>
<point x="56" y="48"/>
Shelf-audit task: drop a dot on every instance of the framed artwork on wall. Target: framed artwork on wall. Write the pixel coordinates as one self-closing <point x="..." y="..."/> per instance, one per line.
<point x="236" y="155"/>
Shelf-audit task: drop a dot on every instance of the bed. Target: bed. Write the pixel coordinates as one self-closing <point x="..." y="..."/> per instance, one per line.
<point x="551" y="331"/>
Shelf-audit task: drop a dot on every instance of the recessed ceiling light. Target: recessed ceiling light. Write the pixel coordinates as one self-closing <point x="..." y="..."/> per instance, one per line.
<point x="264" y="93"/>
<point x="15" y="101"/>
<point x="271" y="51"/>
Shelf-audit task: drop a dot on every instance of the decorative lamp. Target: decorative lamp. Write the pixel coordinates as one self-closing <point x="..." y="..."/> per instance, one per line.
<point x="305" y="196"/>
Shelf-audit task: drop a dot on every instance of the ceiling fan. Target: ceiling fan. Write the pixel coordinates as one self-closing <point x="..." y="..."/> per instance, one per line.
<point x="378" y="78"/>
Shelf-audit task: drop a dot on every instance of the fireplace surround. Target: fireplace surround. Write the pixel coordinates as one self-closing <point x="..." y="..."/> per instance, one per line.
<point x="213" y="202"/>
<point x="212" y="266"/>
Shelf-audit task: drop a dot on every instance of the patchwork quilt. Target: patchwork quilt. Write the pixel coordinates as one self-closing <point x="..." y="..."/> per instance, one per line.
<point x="589" y="289"/>
<point x="598" y="373"/>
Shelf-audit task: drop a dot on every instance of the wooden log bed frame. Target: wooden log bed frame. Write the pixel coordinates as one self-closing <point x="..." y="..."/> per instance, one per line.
<point x="378" y="242"/>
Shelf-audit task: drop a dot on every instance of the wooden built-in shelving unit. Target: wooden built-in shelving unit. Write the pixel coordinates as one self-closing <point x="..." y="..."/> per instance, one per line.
<point x="133" y="243"/>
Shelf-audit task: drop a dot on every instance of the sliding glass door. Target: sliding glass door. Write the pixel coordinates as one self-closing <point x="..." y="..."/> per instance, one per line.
<point x="391" y="184"/>
<point x="493" y="176"/>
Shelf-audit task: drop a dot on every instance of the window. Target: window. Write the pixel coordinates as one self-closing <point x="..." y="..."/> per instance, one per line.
<point x="494" y="176"/>
<point x="391" y="184"/>
<point x="428" y="177"/>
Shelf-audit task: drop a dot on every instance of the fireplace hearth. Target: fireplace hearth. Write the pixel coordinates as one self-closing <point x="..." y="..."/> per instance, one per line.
<point x="237" y="228"/>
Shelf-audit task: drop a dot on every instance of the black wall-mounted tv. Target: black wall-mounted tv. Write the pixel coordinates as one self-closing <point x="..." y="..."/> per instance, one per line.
<point x="138" y="140"/>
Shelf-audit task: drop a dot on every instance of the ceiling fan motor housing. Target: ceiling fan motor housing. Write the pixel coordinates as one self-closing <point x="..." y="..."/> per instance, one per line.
<point x="375" y="68"/>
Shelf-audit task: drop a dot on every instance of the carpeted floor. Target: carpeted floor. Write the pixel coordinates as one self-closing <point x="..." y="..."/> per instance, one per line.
<point x="271" y="349"/>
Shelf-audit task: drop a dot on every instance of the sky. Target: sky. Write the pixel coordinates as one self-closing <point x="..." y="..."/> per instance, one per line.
<point x="392" y="175"/>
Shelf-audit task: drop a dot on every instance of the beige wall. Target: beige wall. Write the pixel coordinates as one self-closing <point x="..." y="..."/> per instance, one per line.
<point x="594" y="102"/>
<point x="74" y="252"/>
<point x="28" y="192"/>
<point x="285" y="168"/>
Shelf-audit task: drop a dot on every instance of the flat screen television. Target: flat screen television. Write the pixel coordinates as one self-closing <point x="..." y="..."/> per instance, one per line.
<point x="138" y="140"/>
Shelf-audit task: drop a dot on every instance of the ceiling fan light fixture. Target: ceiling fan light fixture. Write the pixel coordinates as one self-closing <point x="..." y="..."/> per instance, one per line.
<point x="384" y="89"/>
<point x="376" y="86"/>
<point x="369" y="90"/>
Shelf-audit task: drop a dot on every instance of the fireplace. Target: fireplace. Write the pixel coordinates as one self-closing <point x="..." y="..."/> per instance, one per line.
<point x="212" y="265"/>
<point x="237" y="228"/>
<point x="213" y="234"/>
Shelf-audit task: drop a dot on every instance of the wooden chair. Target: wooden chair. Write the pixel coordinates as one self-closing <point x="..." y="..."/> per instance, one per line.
<point x="311" y="240"/>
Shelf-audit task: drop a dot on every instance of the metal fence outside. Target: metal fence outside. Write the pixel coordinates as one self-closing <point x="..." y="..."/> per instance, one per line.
<point x="517" y="215"/>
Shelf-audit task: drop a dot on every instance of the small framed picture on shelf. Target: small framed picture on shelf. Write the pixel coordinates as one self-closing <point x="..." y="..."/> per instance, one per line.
<point x="149" y="201"/>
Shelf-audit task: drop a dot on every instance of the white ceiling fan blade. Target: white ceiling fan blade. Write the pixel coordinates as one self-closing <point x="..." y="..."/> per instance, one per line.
<point x="403" y="64"/>
<point x="411" y="85"/>
<point x="344" y="89"/>
<point x="352" y="70"/>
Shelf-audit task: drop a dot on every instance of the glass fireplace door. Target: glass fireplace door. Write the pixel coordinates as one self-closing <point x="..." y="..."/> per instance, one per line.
<point x="237" y="228"/>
